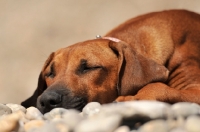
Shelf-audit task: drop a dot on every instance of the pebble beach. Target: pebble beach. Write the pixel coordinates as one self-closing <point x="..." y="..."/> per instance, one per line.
<point x="133" y="116"/>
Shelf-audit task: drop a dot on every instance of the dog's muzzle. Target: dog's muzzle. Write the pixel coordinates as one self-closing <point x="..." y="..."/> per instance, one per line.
<point x="57" y="98"/>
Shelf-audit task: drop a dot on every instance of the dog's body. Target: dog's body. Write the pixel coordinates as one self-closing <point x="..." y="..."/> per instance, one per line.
<point x="157" y="58"/>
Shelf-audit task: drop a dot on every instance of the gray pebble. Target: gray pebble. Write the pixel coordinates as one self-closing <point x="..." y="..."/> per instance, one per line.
<point x="122" y="129"/>
<point x="33" y="113"/>
<point x="16" y="107"/>
<point x="72" y="119"/>
<point x="151" y="109"/>
<point x="193" y="124"/>
<point x="154" y="126"/>
<point x="47" y="127"/>
<point x="106" y="124"/>
<point x="91" y="109"/>
<point x="117" y="108"/>
<point x="178" y="129"/>
<point x="185" y="109"/>
<point x="55" y="113"/>
<point x="10" y="122"/>
<point x="4" y="110"/>
<point x="33" y="124"/>
<point x="60" y="124"/>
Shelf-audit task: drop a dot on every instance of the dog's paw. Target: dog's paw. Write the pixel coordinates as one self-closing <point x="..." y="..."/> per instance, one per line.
<point x="125" y="98"/>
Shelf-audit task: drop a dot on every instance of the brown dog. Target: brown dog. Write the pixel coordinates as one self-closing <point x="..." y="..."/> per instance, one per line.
<point x="151" y="57"/>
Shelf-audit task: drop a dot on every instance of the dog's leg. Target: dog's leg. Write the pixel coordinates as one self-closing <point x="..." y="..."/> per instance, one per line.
<point x="162" y="92"/>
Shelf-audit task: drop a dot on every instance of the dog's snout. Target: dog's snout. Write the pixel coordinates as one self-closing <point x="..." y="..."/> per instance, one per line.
<point x="57" y="96"/>
<point x="50" y="100"/>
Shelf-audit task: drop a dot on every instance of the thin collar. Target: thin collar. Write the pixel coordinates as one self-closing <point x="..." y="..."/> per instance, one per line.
<point x="109" y="38"/>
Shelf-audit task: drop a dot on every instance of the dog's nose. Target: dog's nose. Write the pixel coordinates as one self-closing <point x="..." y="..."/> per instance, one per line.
<point x="50" y="100"/>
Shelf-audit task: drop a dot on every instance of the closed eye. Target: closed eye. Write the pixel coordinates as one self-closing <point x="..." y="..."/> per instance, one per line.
<point x="51" y="73"/>
<point x="84" y="67"/>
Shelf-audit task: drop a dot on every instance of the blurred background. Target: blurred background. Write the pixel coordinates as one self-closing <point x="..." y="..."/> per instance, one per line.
<point x="31" y="29"/>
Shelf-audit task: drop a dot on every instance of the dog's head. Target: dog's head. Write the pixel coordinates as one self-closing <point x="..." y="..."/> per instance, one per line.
<point x="95" y="70"/>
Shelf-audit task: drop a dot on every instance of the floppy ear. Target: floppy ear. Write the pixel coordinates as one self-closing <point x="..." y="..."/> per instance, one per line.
<point x="31" y="101"/>
<point x="134" y="70"/>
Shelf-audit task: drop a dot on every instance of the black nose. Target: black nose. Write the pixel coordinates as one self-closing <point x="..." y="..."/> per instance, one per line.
<point x="49" y="100"/>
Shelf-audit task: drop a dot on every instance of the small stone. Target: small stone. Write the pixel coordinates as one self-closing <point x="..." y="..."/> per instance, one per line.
<point x="154" y="126"/>
<point x="47" y="127"/>
<point x="100" y="124"/>
<point x="91" y="109"/>
<point x="72" y="119"/>
<point x="192" y="124"/>
<point x="122" y="129"/>
<point x="137" y="110"/>
<point x="33" y="124"/>
<point x="16" y="107"/>
<point x="60" y="124"/>
<point x="185" y="109"/>
<point x="4" y="110"/>
<point x="55" y="113"/>
<point x="33" y="113"/>
<point x="10" y="122"/>
<point x="178" y="129"/>
<point x="151" y="109"/>
<point x="22" y="120"/>
<point x="117" y="108"/>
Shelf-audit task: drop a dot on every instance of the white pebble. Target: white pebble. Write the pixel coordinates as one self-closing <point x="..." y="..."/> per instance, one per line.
<point x="122" y="129"/>
<point x="91" y="109"/>
<point x="185" y="109"/>
<point x="55" y="113"/>
<point x="33" y="113"/>
<point x="106" y="124"/>
<point x="192" y="124"/>
<point x="4" y="110"/>
<point x="16" y="107"/>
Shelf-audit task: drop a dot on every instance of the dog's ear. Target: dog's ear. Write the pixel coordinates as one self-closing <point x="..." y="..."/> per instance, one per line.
<point x="135" y="70"/>
<point x="31" y="101"/>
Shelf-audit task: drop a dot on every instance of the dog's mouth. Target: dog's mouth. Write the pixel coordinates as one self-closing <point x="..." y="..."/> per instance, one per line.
<point x="74" y="103"/>
<point x="51" y="99"/>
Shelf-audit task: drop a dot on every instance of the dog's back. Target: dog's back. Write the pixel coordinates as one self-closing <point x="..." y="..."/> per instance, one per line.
<point x="160" y="35"/>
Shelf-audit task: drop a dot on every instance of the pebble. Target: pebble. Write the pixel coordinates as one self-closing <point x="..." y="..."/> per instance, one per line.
<point x="151" y="109"/>
<point x="33" y="113"/>
<point x="10" y="122"/>
<point x="72" y="119"/>
<point x="55" y="113"/>
<point x="61" y="125"/>
<point x="4" y="110"/>
<point x="133" y="116"/>
<point x="122" y="129"/>
<point x="91" y="109"/>
<point x="47" y="127"/>
<point x="33" y="124"/>
<point x="185" y="109"/>
<point x="118" y="108"/>
<point x="154" y="126"/>
<point x="192" y="124"/>
<point x="178" y="129"/>
<point x="16" y="107"/>
<point x="106" y="124"/>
